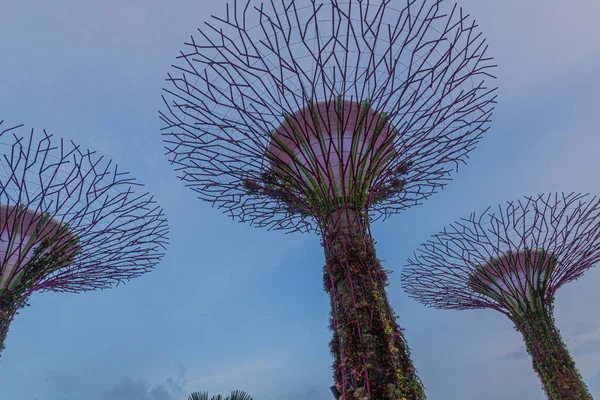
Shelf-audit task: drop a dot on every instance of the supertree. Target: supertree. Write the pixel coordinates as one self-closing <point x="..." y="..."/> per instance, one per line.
<point x="70" y="221"/>
<point x="324" y="116"/>
<point x="513" y="261"/>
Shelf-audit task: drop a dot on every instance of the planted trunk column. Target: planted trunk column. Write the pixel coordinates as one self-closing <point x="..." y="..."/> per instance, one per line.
<point x="32" y="245"/>
<point x="13" y="297"/>
<point x="519" y="280"/>
<point x="550" y="356"/>
<point x="372" y="359"/>
<point x="10" y="303"/>
<point x="330" y="154"/>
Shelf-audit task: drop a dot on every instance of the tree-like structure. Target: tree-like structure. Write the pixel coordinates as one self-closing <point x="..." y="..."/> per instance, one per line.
<point x="70" y="221"/>
<point x="513" y="260"/>
<point x="324" y="116"/>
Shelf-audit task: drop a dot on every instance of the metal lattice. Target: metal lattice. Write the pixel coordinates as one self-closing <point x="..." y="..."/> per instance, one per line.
<point x="565" y="226"/>
<point x="119" y="232"/>
<point x="253" y="69"/>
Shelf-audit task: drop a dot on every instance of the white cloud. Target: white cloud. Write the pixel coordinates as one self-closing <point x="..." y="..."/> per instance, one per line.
<point x="537" y="41"/>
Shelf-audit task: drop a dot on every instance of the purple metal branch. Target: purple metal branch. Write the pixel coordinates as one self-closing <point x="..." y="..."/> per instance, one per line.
<point x="119" y="233"/>
<point x="565" y="226"/>
<point x="235" y="82"/>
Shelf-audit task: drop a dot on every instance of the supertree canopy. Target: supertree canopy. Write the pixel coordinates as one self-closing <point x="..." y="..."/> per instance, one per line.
<point x="513" y="261"/>
<point x="324" y="116"/>
<point x="70" y="221"/>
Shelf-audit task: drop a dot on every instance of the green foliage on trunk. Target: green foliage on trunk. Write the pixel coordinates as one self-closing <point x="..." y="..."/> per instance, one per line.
<point x="550" y="356"/>
<point x="44" y="260"/>
<point x="368" y="339"/>
<point x="531" y="310"/>
<point x="318" y="194"/>
<point x="14" y="298"/>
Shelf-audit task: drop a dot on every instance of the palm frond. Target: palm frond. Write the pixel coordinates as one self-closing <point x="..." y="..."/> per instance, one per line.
<point x="198" y="396"/>
<point x="239" y="395"/>
<point x="235" y="395"/>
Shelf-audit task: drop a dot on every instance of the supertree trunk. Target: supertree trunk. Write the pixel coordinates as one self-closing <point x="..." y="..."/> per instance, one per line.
<point x="14" y="298"/>
<point x="9" y="306"/>
<point x="371" y="357"/>
<point x="550" y="356"/>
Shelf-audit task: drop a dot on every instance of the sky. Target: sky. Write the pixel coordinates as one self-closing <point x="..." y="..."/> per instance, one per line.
<point x="236" y="307"/>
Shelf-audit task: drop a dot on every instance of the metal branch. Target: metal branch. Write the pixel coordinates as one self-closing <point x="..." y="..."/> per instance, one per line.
<point x="565" y="225"/>
<point x="235" y="82"/>
<point x="120" y="232"/>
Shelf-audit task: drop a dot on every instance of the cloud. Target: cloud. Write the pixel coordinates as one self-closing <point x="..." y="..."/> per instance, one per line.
<point x="585" y="342"/>
<point x="63" y="386"/>
<point x="514" y="355"/>
<point x="131" y="389"/>
<point x="589" y="346"/>
<point x="536" y="42"/>
<point x="299" y="393"/>
<point x="595" y="382"/>
<point x="585" y="339"/>
<point x="66" y="386"/>
<point x="584" y="329"/>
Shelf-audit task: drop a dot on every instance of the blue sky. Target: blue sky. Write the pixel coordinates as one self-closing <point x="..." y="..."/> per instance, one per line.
<point x="234" y="307"/>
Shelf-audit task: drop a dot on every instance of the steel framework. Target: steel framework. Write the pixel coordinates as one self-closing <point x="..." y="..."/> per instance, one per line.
<point x="325" y="117"/>
<point x="513" y="260"/>
<point x="70" y="221"/>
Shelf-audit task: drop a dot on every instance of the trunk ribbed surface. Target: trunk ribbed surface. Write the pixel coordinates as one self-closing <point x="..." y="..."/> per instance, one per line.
<point x="550" y="356"/>
<point x="371" y="357"/>
<point x="10" y="303"/>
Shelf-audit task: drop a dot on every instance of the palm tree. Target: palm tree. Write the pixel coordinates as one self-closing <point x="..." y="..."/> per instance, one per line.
<point x="235" y="395"/>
